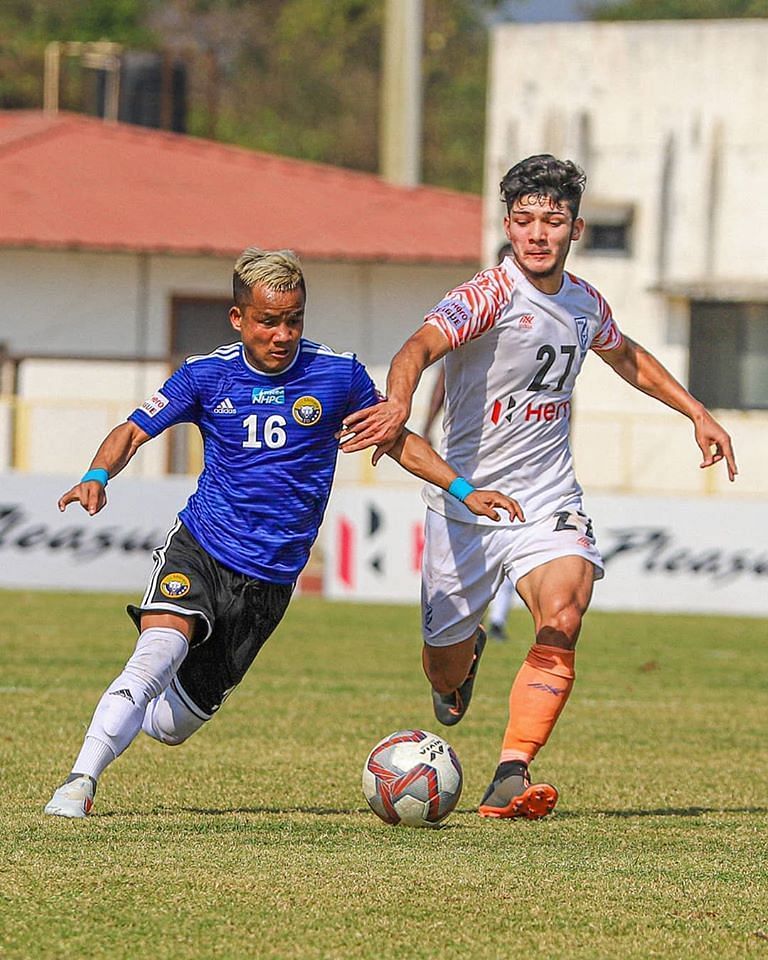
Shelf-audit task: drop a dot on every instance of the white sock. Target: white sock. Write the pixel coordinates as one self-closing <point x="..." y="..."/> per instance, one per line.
<point x="94" y="757"/>
<point x="169" y="720"/>
<point x="117" y="719"/>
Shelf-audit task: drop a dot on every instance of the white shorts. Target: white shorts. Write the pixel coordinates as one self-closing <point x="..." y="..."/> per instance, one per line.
<point x="464" y="563"/>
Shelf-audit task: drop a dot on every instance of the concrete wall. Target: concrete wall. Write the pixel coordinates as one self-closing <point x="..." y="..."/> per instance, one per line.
<point x="642" y="105"/>
<point x="103" y="311"/>
<point x="119" y="305"/>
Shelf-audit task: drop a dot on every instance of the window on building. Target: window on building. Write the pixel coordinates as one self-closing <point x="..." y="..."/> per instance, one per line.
<point x="608" y="230"/>
<point x="729" y="354"/>
<point x="199" y="325"/>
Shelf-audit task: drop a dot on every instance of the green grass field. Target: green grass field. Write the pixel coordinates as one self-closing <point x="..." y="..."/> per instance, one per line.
<point x="253" y="840"/>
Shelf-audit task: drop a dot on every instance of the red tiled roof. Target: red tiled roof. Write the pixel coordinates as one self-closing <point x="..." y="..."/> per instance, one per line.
<point x="75" y="182"/>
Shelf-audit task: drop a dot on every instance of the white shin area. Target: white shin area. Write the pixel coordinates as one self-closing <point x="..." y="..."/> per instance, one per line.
<point x="169" y="720"/>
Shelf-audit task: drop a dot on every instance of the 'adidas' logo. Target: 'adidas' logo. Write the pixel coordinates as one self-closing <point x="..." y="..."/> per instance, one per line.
<point x="547" y="688"/>
<point x="226" y="406"/>
<point x="125" y="693"/>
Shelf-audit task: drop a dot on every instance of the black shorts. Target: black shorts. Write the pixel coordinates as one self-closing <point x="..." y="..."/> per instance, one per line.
<point x="236" y="615"/>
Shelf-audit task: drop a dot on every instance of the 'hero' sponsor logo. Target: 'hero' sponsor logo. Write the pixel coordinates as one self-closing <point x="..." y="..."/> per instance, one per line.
<point x="504" y="407"/>
<point x="155" y="404"/>
<point x="454" y="311"/>
<point x="547" y="412"/>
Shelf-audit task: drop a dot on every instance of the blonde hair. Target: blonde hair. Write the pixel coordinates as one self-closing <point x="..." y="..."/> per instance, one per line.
<point x="279" y="270"/>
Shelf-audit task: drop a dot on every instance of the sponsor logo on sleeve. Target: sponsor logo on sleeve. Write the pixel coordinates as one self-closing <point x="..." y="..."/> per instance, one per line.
<point x="175" y="585"/>
<point x="307" y="411"/>
<point x="268" y="395"/>
<point x="155" y="404"/>
<point x="455" y="312"/>
<point x="225" y="407"/>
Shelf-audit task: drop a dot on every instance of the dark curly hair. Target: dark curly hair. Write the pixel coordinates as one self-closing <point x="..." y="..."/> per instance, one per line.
<point x="544" y="176"/>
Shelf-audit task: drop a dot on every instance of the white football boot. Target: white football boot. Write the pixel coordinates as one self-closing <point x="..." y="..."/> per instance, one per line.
<point x="73" y="799"/>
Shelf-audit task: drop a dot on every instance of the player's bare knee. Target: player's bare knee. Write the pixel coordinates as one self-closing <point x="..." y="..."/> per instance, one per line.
<point x="443" y="681"/>
<point x="447" y="667"/>
<point x="561" y="627"/>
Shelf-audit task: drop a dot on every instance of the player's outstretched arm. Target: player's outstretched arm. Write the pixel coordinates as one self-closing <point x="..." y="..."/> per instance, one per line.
<point x="415" y="455"/>
<point x="641" y="369"/>
<point x="381" y="425"/>
<point x="115" y="452"/>
<point x="436" y="401"/>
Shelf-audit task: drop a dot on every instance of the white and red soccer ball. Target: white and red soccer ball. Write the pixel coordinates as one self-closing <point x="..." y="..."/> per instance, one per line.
<point x="412" y="777"/>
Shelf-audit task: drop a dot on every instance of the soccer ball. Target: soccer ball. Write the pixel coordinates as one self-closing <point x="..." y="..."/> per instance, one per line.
<point x="412" y="777"/>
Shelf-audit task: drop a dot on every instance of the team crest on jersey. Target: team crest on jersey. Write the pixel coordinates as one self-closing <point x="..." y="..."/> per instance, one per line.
<point x="307" y="411"/>
<point x="582" y="329"/>
<point x="454" y="311"/>
<point x="526" y="321"/>
<point x="155" y="404"/>
<point x="265" y="395"/>
<point x="175" y="585"/>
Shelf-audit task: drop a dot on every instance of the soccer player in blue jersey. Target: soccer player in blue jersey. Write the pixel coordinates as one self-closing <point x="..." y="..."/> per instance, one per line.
<point x="270" y="409"/>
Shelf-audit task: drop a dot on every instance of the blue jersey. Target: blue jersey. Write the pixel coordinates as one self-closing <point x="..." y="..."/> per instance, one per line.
<point x="269" y="450"/>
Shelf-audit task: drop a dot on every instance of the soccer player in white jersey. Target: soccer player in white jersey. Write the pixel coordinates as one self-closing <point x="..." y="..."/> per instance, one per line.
<point x="513" y="339"/>
<point x="270" y="408"/>
<point x="502" y="603"/>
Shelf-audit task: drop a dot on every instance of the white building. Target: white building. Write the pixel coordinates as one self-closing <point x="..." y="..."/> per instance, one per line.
<point x="669" y="121"/>
<point x="116" y="253"/>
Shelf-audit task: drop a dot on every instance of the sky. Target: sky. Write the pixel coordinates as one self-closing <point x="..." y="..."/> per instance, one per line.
<point x="536" y="11"/>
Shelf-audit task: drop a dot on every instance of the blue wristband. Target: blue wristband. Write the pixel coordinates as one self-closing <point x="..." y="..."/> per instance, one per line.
<point x="460" y="488"/>
<point x="99" y="474"/>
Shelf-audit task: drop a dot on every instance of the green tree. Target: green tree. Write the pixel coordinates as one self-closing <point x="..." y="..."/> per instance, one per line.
<point x="27" y="26"/>
<point x="308" y="86"/>
<point x="677" y="9"/>
<point x="293" y="77"/>
<point x="301" y="78"/>
<point x="455" y="71"/>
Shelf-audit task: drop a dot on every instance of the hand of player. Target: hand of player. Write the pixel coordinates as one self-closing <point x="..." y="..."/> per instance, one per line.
<point x="709" y="434"/>
<point x="378" y="426"/>
<point x="91" y="496"/>
<point x="482" y="502"/>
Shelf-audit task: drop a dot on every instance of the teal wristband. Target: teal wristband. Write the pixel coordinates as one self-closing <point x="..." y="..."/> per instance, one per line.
<point x="99" y="474"/>
<point x="460" y="488"/>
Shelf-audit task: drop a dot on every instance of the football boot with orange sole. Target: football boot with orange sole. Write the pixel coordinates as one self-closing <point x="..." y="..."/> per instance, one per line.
<point x="511" y="795"/>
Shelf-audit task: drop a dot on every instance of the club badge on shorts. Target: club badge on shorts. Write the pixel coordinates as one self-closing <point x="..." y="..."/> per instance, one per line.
<point x="175" y="585"/>
<point x="307" y="411"/>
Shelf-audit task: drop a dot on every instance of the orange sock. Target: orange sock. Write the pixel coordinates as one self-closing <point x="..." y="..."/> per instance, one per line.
<point x="539" y="693"/>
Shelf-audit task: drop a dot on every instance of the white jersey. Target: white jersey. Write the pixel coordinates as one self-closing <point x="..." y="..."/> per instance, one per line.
<point x="515" y="355"/>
